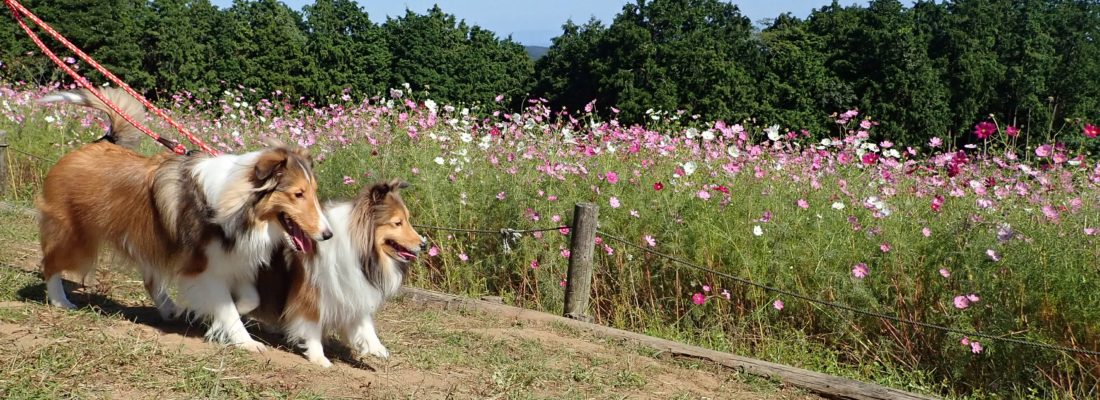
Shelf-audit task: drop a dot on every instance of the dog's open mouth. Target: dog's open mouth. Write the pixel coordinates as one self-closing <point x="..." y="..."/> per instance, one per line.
<point x="296" y="237"/>
<point x="402" y="253"/>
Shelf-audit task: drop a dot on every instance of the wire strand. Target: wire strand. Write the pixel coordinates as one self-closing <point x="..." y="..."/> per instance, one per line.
<point x="32" y="155"/>
<point x="487" y="231"/>
<point x="826" y="303"/>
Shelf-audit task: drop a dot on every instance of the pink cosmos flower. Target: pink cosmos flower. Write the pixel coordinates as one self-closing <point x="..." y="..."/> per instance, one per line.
<point x="975" y="347"/>
<point x="650" y="241"/>
<point x="658" y="186"/>
<point x="501" y="196"/>
<point x="612" y="177"/>
<point x="706" y="288"/>
<point x="1050" y="212"/>
<point x="726" y="294"/>
<point x="803" y="204"/>
<point x="463" y="257"/>
<point x="1012" y="131"/>
<point x="945" y="273"/>
<point x="885" y="247"/>
<point x="562" y="283"/>
<point x="433" y="251"/>
<point x="1090" y="231"/>
<point x="972" y="298"/>
<point x="935" y="142"/>
<point x="565" y="253"/>
<point x="1044" y="150"/>
<point x="703" y="194"/>
<point x="860" y="271"/>
<point x="1091" y="131"/>
<point x="778" y="304"/>
<point x="937" y="202"/>
<point x="926" y="232"/>
<point x="992" y="255"/>
<point x="961" y="302"/>
<point x="698" y="299"/>
<point x="614" y="202"/>
<point x="348" y="180"/>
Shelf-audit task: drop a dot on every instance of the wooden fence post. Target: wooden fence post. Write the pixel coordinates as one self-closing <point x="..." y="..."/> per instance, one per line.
<point x="578" y="284"/>
<point x="3" y="163"/>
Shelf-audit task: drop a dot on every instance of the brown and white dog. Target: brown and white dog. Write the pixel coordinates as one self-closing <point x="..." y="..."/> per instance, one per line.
<point x="205" y="222"/>
<point x="338" y="288"/>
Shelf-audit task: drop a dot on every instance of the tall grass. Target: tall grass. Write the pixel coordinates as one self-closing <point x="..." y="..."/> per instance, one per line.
<point x="998" y="238"/>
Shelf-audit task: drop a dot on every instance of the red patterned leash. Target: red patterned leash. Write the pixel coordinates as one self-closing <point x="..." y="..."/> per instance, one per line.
<point x="19" y="11"/>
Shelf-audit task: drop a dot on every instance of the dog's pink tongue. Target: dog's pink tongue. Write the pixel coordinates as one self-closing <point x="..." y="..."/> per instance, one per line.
<point x="304" y="243"/>
<point x="407" y="254"/>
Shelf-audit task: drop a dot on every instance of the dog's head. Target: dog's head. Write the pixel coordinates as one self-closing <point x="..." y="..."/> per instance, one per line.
<point x="285" y="175"/>
<point x="391" y="234"/>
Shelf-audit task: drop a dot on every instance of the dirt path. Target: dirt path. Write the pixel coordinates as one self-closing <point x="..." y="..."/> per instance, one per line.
<point x="117" y="347"/>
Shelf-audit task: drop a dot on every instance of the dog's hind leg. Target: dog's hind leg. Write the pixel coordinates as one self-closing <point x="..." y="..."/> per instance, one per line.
<point x="154" y="285"/>
<point x="63" y="249"/>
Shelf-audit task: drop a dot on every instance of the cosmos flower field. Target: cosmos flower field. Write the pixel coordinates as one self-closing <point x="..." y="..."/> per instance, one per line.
<point x="999" y="237"/>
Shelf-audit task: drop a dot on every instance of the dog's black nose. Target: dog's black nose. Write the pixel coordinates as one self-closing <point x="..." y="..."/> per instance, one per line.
<point x="423" y="241"/>
<point x="326" y="235"/>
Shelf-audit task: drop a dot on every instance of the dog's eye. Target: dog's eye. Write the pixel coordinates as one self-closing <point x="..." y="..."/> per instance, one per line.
<point x="398" y="223"/>
<point x="300" y="194"/>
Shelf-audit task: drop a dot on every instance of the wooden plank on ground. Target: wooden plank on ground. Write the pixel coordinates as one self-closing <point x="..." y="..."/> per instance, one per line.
<point x="816" y="382"/>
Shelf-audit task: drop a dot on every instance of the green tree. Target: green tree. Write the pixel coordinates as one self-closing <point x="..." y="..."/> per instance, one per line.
<point x="265" y="48"/>
<point x="180" y="44"/>
<point x="565" y="75"/>
<point x="350" y="50"/>
<point x="797" y="86"/>
<point x="453" y="61"/>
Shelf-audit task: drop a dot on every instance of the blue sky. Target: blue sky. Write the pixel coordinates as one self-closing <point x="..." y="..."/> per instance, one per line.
<point x="534" y="22"/>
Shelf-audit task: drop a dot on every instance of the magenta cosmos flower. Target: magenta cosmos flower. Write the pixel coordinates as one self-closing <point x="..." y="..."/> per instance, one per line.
<point x="1091" y="131"/>
<point x="698" y="299"/>
<point x="984" y="130"/>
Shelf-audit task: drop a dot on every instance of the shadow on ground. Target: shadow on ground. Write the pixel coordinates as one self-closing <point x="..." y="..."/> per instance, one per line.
<point x="147" y="315"/>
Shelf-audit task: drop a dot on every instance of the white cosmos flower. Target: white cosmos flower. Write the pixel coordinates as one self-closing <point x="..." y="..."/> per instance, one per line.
<point x="689" y="168"/>
<point x="773" y="132"/>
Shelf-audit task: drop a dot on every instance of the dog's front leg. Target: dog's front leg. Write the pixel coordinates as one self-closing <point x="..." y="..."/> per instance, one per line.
<point x="365" y="340"/>
<point x="309" y="334"/>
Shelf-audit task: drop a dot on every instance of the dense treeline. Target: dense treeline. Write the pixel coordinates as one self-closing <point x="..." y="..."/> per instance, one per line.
<point x="932" y="68"/>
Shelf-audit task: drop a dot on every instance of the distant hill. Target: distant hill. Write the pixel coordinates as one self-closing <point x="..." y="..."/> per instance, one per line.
<point x="536" y="52"/>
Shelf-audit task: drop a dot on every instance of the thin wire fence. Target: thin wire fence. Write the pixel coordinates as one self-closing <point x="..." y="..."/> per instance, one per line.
<point x="513" y="234"/>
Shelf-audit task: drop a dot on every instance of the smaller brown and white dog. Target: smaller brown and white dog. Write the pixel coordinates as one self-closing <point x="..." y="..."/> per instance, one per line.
<point x="339" y="287"/>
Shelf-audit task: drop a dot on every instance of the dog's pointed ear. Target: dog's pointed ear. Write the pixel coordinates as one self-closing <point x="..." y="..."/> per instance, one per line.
<point x="271" y="163"/>
<point x="398" y="184"/>
<point x="379" y="191"/>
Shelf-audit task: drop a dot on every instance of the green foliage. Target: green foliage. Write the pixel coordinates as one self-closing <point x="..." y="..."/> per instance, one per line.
<point x="926" y="69"/>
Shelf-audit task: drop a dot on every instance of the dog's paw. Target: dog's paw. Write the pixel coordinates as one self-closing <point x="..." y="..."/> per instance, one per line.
<point x="377" y="350"/>
<point x="252" y="346"/>
<point x="169" y="312"/>
<point x="321" y="360"/>
<point x="63" y="304"/>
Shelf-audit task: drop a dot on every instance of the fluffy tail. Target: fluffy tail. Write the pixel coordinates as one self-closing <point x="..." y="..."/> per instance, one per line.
<point x="121" y="133"/>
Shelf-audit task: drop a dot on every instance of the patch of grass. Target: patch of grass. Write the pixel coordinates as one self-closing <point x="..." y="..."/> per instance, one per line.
<point x="76" y="356"/>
